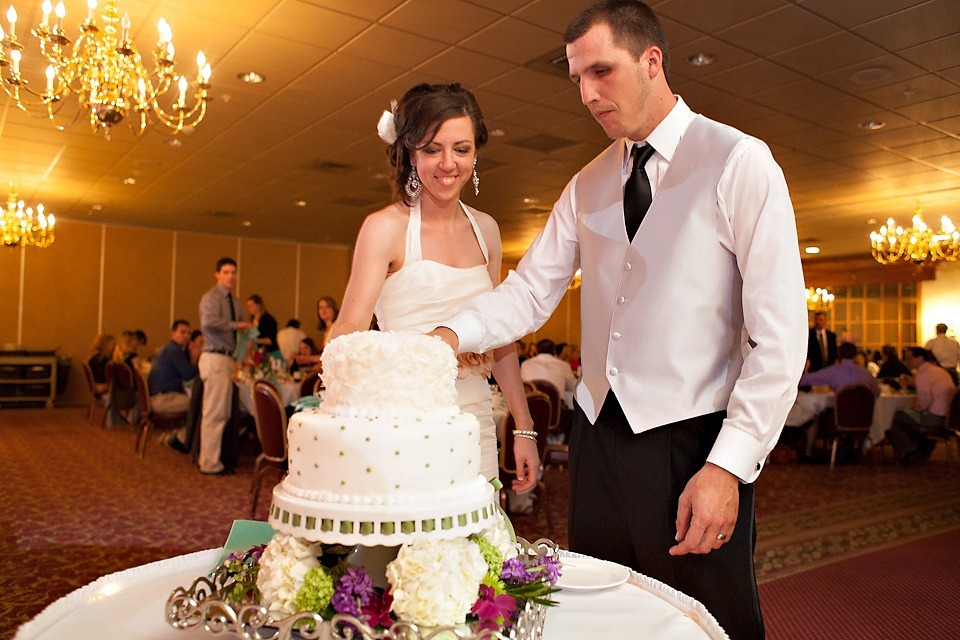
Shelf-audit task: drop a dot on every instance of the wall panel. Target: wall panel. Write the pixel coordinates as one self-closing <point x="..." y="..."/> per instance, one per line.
<point x="9" y="294"/>
<point x="60" y="305"/>
<point x="136" y="283"/>
<point x="270" y="269"/>
<point x="197" y="256"/>
<point x="324" y="271"/>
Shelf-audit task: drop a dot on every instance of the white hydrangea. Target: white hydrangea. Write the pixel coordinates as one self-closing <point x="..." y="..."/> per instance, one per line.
<point x="284" y="564"/>
<point x="436" y="583"/>
<point x="499" y="535"/>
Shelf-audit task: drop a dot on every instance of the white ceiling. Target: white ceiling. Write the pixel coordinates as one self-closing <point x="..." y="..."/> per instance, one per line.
<point x="785" y="71"/>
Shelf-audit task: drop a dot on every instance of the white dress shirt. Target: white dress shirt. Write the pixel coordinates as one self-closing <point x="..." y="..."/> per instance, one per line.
<point x="546" y="366"/>
<point x="703" y="311"/>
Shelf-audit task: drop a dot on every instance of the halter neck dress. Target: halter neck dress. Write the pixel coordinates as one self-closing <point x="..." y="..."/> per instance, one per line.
<point x="424" y="294"/>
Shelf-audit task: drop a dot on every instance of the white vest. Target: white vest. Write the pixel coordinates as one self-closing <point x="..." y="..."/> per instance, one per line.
<point x="663" y="320"/>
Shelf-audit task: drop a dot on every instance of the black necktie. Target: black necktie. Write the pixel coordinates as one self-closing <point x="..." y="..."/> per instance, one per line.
<point x="233" y="312"/>
<point x="636" y="191"/>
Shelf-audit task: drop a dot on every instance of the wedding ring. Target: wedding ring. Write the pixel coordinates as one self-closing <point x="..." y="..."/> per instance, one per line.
<point x="721" y="536"/>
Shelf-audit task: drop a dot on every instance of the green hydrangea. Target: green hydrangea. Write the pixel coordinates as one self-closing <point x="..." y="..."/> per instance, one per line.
<point x="316" y="592"/>
<point x="493" y="559"/>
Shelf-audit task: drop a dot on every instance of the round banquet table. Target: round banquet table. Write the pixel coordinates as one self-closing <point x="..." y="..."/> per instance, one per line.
<point x="129" y="605"/>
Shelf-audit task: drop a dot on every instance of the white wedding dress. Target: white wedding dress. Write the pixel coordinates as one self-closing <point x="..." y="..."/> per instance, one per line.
<point x="422" y="295"/>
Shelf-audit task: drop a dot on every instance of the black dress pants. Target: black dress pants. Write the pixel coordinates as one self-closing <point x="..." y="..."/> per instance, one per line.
<point x="624" y="492"/>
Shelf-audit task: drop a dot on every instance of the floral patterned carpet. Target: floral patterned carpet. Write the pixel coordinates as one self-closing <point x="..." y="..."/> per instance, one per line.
<point x="77" y="503"/>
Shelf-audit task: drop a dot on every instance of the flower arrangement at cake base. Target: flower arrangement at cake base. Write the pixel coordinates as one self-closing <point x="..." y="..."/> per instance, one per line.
<point x="477" y="588"/>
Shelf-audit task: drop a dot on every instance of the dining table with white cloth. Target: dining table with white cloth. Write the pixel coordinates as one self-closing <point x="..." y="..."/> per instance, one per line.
<point x="130" y="605"/>
<point x="807" y="406"/>
<point x="289" y="391"/>
<point x="886" y="405"/>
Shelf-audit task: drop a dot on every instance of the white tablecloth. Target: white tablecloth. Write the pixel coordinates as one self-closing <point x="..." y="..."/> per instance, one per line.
<point x="883" y="410"/>
<point x="130" y="606"/>
<point x="808" y="406"/>
<point x="289" y="393"/>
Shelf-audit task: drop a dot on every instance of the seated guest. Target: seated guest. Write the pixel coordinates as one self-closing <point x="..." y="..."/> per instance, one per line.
<point x="173" y="366"/>
<point x="123" y="390"/>
<point x="100" y="353"/>
<point x="836" y="376"/>
<point x="288" y="338"/>
<point x="891" y="366"/>
<point x="910" y="430"/>
<point x="546" y="366"/>
<point x="307" y="356"/>
<point x="266" y="323"/>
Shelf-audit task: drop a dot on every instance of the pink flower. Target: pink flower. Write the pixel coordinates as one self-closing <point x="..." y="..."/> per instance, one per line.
<point x="376" y="612"/>
<point x="491" y="608"/>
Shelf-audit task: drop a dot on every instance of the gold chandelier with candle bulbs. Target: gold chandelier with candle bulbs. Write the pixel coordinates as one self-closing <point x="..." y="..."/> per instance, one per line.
<point x="917" y="243"/>
<point x="819" y="299"/>
<point x="23" y="227"/>
<point x="106" y="73"/>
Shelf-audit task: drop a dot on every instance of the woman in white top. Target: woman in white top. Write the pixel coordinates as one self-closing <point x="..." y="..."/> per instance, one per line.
<point x="419" y="259"/>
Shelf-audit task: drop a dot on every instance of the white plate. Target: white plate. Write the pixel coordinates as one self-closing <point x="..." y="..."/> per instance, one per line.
<point x="591" y="574"/>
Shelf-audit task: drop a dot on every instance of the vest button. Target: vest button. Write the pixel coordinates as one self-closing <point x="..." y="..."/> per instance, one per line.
<point x="613" y="371"/>
<point x="621" y="300"/>
<point x="616" y="335"/>
<point x="628" y="267"/>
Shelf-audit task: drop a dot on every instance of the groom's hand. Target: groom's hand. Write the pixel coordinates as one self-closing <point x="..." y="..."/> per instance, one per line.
<point x="448" y="336"/>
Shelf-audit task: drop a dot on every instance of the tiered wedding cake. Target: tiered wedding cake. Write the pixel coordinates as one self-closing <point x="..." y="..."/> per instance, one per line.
<point x="388" y="458"/>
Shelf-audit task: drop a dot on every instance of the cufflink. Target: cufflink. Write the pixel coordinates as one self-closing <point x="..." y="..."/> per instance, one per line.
<point x="758" y="466"/>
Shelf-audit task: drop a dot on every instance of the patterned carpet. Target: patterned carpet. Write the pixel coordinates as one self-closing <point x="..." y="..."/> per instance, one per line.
<point x="77" y="504"/>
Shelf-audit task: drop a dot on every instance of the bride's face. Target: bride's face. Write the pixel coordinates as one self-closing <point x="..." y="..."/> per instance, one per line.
<point x="445" y="164"/>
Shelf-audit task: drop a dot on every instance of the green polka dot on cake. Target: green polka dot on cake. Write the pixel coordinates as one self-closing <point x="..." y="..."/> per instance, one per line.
<point x="369" y="469"/>
<point x="427" y="465"/>
<point x="316" y="438"/>
<point x="343" y="482"/>
<point x="367" y="438"/>
<point x="397" y="452"/>
<point x="341" y="453"/>
<point x="316" y="465"/>
<point x="343" y="427"/>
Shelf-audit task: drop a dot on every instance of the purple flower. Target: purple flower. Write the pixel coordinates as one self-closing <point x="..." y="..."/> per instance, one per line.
<point x="552" y="567"/>
<point x="358" y="582"/>
<point x="344" y="602"/>
<point x="515" y="571"/>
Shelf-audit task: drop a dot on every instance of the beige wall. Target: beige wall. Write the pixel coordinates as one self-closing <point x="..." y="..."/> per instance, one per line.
<point x="107" y="278"/>
<point x="564" y="324"/>
<point x="940" y="302"/>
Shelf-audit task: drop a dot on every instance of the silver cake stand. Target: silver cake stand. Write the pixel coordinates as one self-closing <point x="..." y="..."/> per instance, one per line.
<point x="200" y="607"/>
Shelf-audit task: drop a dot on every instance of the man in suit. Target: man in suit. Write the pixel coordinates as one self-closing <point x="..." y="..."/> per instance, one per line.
<point x="821" y="344"/>
<point x="693" y="320"/>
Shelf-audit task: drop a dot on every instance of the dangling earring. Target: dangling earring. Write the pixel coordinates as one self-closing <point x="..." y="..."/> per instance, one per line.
<point x="413" y="185"/>
<point x="476" y="179"/>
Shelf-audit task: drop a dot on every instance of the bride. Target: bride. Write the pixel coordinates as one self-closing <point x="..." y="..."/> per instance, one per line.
<point x="419" y="259"/>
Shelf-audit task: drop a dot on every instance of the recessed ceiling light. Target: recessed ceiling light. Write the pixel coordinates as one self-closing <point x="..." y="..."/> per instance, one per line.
<point x="251" y="77"/>
<point x="812" y="250"/>
<point x="701" y="59"/>
<point x="246" y="223"/>
<point x="96" y="207"/>
<point x="872" y="125"/>
<point x="175" y="142"/>
<point x="380" y="176"/>
<point x="300" y="203"/>
<point x="531" y="200"/>
<point x="870" y="75"/>
<point x="872" y="221"/>
<point x="497" y="133"/>
<point x="129" y="181"/>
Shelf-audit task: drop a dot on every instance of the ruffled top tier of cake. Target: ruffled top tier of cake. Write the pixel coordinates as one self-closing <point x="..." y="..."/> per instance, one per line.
<point x="371" y="373"/>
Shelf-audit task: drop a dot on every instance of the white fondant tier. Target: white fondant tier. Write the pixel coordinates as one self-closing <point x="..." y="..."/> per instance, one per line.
<point x="388" y="374"/>
<point x="386" y="525"/>
<point x="377" y="461"/>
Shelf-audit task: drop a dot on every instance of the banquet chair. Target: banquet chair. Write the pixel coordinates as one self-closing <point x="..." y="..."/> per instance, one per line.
<point x="557" y="452"/>
<point x="97" y="399"/>
<point x="318" y="386"/>
<point x="309" y="382"/>
<point x="853" y="415"/>
<point x="150" y="419"/>
<point x="551" y="391"/>
<point x="951" y="429"/>
<point x="539" y="406"/>
<point x="122" y="389"/>
<point x="271" y="422"/>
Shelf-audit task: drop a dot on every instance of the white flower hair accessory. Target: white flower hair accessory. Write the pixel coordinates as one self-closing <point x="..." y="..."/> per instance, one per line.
<point x="387" y="127"/>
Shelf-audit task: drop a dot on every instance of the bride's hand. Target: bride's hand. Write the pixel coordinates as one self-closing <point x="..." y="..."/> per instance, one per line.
<point x="528" y="464"/>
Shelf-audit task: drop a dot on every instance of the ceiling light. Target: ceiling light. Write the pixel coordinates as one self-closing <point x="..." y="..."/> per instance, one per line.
<point x="918" y="243"/>
<point x="872" y="221"/>
<point x="251" y="77"/>
<point x="872" y="125"/>
<point x="174" y="142"/>
<point x="246" y="223"/>
<point x="96" y="207"/>
<point x="129" y="181"/>
<point x="104" y="70"/>
<point x="300" y="203"/>
<point x="497" y="133"/>
<point x="812" y="250"/>
<point x="701" y="59"/>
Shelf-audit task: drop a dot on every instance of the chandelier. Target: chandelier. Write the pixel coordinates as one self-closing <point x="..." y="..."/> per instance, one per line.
<point x="819" y="299"/>
<point x="105" y="71"/>
<point x="918" y="243"/>
<point x="24" y="227"/>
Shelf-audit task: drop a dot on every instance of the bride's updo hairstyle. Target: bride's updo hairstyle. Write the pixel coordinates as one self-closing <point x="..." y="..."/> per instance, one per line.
<point x="418" y="116"/>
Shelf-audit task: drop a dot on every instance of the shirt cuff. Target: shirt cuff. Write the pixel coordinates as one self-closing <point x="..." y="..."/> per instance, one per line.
<point x="739" y="453"/>
<point x="468" y="332"/>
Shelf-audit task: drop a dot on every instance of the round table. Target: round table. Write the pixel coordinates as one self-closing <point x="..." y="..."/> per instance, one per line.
<point x="129" y="605"/>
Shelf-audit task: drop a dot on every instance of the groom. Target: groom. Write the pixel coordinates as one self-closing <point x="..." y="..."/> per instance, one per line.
<point x="693" y="328"/>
